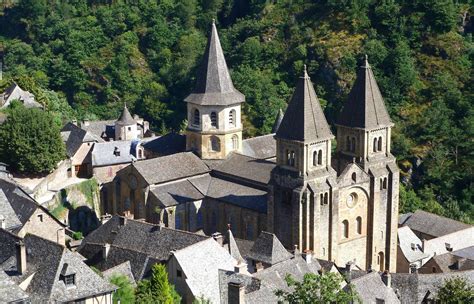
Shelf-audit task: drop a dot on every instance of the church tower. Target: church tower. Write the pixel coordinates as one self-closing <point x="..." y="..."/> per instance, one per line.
<point x="214" y="107"/>
<point x="363" y="137"/>
<point x="126" y="126"/>
<point x="302" y="185"/>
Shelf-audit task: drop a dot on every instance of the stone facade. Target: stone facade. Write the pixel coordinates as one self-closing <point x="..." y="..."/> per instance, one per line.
<point x="44" y="225"/>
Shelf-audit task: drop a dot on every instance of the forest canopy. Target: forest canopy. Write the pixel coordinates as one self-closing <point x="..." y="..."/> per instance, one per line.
<point x="97" y="55"/>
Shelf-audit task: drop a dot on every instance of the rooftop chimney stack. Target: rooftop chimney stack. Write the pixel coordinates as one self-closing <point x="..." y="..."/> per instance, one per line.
<point x="240" y="267"/>
<point x="21" y="257"/>
<point x="349" y="267"/>
<point x="236" y="292"/>
<point x="123" y="220"/>
<point x="387" y="278"/>
<point x="308" y="256"/>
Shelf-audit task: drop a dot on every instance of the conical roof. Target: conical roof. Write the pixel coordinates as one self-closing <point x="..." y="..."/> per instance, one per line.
<point x="304" y="119"/>
<point x="268" y="249"/>
<point x="233" y="248"/>
<point x="213" y="84"/>
<point x="126" y="118"/>
<point x="278" y="121"/>
<point x="365" y="107"/>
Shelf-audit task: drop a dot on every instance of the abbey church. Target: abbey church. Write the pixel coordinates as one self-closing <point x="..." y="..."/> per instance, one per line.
<point x="342" y="205"/>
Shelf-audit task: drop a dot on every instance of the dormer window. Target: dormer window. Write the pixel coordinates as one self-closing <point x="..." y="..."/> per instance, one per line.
<point x="116" y="151"/>
<point x="70" y="280"/>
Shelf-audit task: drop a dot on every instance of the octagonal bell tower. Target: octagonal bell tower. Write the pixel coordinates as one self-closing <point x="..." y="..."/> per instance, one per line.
<point x="214" y="107"/>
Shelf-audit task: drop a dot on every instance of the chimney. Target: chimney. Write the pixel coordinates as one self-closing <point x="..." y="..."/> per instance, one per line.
<point x="349" y="267"/>
<point x="85" y="122"/>
<point x="259" y="266"/>
<point x="116" y="151"/>
<point x="2" y="222"/>
<point x="105" y="251"/>
<point x="105" y="218"/>
<point x="297" y="252"/>
<point x="218" y="237"/>
<point x="240" y="267"/>
<point x="448" y="247"/>
<point x="236" y="292"/>
<point x="74" y="122"/>
<point x="387" y="278"/>
<point x="308" y="256"/>
<point x="123" y="221"/>
<point x="21" y="257"/>
<point x="423" y="245"/>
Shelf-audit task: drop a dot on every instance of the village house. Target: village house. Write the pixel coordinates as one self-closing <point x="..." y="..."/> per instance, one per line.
<point x="14" y="92"/>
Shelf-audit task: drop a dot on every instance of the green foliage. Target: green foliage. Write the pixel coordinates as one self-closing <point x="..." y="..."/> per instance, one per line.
<point x="456" y="290"/>
<point x="90" y="189"/>
<point x="324" y="288"/>
<point x="157" y="289"/>
<point x="77" y="235"/>
<point x="30" y="141"/>
<point x="125" y="293"/>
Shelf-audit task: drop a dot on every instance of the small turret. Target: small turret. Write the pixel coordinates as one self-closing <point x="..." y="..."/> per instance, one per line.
<point x="126" y="126"/>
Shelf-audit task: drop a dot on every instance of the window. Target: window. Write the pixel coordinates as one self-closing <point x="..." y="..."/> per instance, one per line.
<point x="214" y="119"/>
<point x="197" y="117"/>
<point x="129" y="128"/>
<point x="320" y="157"/>
<point x="433" y="269"/>
<point x="380" y="144"/>
<point x="348" y="143"/>
<point x="381" y="261"/>
<point x="292" y="155"/>
<point x="326" y="198"/>
<point x="353" y="144"/>
<point x="321" y="199"/>
<point x="179" y="273"/>
<point x="375" y="145"/>
<point x="235" y="142"/>
<point x="232" y="118"/>
<point x="199" y="219"/>
<point x="315" y="157"/>
<point x="290" y="158"/>
<point x="69" y="280"/>
<point x="40" y="217"/>
<point x="354" y="177"/>
<point x="345" y="229"/>
<point x="381" y="183"/>
<point x="359" y="225"/>
<point x="215" y="143"/>
<point x="385" y="183"/>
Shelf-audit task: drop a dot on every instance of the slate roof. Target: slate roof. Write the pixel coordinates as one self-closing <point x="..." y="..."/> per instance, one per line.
<point x="121" y="269"/>
<point x="213" y="84"/>
<point x="260" y="147"/>
<point x="136" y="241"/>
<point x="103" y="153"/>
<point x="238" y="195"/>
<point x="73" y="137"/>
<point x="371" y="288"/>
<point x="365" y="107"/>
<point x="45" y="284"/>
<point x="233" y="247"/>
<point x="126" y="118"/>
<point x="449" y="262"/>
<point x="10" y="292"/>
<point x="268" y="249"/>
<point x="251" y="284"/>
<point x="7" y="213"/>
<point x="432" y="224"/>
<point x="414" y="288"/>
<point x="246" y="168"/>
<point x="278" y="121"/>
<point x="467" y="253"/>
<point x="172" y="167"/>
<point x="244" y="247"/>
<point x="200" y="264"/>
<point x="406" y="238"/>
<point x="304" y="119"/>
<point x="100" y="128"/>
<point x="14" y="92"/>
<point x="170" y="143"/>
<point x="175" y="193"/>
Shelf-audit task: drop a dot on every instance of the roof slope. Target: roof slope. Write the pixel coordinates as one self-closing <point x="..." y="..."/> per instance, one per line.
<point x="175" y="193"/>
<point x="213" y="84"/>
<point x="371" y="288"/>
<point x="246" y="168"/>
<point x="432" y="224"/>
<point x="304" y="119"/>
<point x="406" y="238"/>
<point x="11" y="292"/>
<point x="261" y="147"/>
<point x="268" y="249"/>
<point x="365" y="107"/>
<point x="278" y="121"/>
<point x="126" y="118"/>
<point x="167" y="144"/>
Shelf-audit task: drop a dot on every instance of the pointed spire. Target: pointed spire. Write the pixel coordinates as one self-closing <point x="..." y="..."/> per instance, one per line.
<point x="233" y="248"/>
<point x="126" y="118"/>
<point x="213" y="84"/>
<point x="304" y="119"/>
<point x="365" y="107"/>
<point x="278" y="121"/>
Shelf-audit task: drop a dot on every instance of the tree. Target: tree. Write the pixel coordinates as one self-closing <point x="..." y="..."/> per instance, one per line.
<point x="324" y="288"/>
<point x="456" y="290"/>
<point x="125" y="293"/>
<point x="157" y="289"/>
<point x="30" y="141"/>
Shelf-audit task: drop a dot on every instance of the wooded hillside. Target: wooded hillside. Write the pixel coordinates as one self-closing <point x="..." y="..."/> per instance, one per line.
<point x="96" y="55"/>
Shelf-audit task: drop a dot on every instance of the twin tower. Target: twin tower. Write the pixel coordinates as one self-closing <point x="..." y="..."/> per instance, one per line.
<point x="342" y="207"/>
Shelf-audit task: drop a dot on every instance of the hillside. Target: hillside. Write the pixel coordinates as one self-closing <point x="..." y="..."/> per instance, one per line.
<point x="96" y="55"/>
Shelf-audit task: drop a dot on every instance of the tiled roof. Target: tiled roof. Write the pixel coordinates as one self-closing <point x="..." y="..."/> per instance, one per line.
<point x="213" y="84"/>
<point x="238" y="195"/>
<point x="7" y="213"/>
<point x="261" y="147"/>
<point x="126" y="118"/>
<point x="365" y="107"/>
<point x="406" y="239"/>
<point x="100" y="128"/>
<point x="304" y="119"/>
<point x="73" y="137"/>
<point x="10" y="292"/>
<point x="467" y="253"/>
<point x="171" y="167"/>
<point x="175" y="193"/>
<point x="432" y="224"/>
<point x="104" y="154"/>
<point x="200" y="264"/>
<point x="371" y="288"/>
<point x="233" y="247"/>
<point x="14" y="92"/>
<point x="244" y="246"/>
<point x="167" y="144"/>
<point x="121" y="269"/>
<point x="268" y="249"/>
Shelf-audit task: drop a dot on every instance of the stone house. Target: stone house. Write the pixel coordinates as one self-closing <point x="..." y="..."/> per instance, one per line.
<point x="20" y="214"/>
<point x="62" y="277"/>
<point x="14" y="92"/>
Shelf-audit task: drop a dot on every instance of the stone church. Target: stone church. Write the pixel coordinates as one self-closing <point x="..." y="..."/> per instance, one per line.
<point x="342" y="205"/>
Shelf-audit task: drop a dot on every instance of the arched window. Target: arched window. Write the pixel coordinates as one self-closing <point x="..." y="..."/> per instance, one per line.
<point x="215" y="143"/>
<point x="315" y="158"/>
<point x="381" y="183"/>
<point x="321" y="199"/>
<point x="288" y="157"/>
<point x="354" y="177"/>
<point x="214" y="119"/>
<point x="232" y="118"/>
<point x="235" y="142"/>
<point x="381" y="261"/>
<point x="348" y="143"/>
<point x="385" y="183"/>
<point x="326" y="198"/>
<point x="375" y="144"/>
<point x="197" y="117"/>
<point x="359" y="225"/>
<point x="353" y="144"/>
<point x="380" y="144"/>
<point x="345" y="229"/>
<point x="320" y="157"/>
<point x="292" y="158"/>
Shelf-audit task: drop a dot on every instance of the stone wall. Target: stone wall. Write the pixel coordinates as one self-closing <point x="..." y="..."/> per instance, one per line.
<point x="43" y="225"/>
